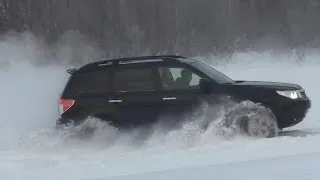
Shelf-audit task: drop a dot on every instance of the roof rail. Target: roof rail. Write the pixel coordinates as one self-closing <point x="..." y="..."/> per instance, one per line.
<point x="172" y="56"/>
<point x="94" y="64"/>
<point x="145" y="57"/>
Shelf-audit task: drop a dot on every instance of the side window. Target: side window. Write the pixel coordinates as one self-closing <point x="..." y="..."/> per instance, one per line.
<point x="90" y="82"/>
<point x="176" y="78"/>
<point x="134" y="79"/>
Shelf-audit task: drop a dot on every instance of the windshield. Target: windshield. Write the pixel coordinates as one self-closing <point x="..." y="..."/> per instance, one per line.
<point x="210" y="71"/>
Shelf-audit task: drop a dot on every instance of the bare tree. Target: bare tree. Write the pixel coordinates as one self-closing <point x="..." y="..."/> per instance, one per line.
<point x="129" y="27"/>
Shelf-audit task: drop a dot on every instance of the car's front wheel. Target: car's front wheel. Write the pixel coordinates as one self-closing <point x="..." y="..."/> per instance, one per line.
<point x="254" y="121"/>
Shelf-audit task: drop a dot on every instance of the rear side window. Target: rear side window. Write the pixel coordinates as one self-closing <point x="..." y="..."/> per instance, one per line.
<point x="134" y="79"/>
<point x="89" y="82"/>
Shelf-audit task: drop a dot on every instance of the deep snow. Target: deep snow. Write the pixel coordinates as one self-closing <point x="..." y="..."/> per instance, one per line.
<point x="31" y="149"/>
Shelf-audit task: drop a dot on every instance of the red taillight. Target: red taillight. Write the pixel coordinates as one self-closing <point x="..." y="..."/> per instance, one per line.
<point x="65" y="105"/>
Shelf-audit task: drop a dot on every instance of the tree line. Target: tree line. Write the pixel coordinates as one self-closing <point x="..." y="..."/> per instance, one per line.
<point x="189" y="27"/>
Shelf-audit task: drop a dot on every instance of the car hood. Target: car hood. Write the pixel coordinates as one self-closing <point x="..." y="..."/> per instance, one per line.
<point x="268" y="85"/>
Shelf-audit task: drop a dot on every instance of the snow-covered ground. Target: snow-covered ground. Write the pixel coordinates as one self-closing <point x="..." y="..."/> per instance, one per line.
<point x="31" y="149"/>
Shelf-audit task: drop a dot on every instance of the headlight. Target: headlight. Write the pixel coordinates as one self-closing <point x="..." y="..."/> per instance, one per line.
<point x="291" y="94"/>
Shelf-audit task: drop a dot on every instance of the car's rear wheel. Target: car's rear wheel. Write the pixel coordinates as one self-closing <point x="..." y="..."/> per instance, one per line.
<point x="85" y="126"/>
<point x="256" y="121"/>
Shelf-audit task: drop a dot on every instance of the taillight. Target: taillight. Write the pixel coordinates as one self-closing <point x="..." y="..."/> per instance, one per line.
<point x="65" y="105"/>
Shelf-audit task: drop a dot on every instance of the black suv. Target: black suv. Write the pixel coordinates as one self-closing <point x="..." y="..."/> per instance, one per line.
<point x="137" y="91"/>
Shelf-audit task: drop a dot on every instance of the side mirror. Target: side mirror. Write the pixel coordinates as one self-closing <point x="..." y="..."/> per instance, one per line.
<point x="206" y="85"/>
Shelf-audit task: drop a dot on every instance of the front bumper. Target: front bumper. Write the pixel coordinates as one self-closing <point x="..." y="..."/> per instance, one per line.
<point x="294" y="113"/>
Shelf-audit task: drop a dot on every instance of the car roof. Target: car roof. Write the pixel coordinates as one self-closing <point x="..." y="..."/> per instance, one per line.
<point x="129" y="60"/>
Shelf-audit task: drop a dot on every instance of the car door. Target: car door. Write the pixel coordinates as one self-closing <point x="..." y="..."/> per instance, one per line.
<point x="181" y="95"/>
<point x="135" y="96"/>
<point x="91" y="91"/>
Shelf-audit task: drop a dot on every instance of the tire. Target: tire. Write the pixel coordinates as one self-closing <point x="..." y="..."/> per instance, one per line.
<point x="63" y="124"/>
<point x="254" y="121"/>
<point x="98" y="121"/>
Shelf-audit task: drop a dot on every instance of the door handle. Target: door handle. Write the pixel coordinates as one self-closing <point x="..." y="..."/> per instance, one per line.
<point x="115" y="101"/>
<point x="169" y="98"/>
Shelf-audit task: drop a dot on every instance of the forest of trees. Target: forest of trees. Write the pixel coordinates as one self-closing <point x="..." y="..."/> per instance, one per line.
<point x="188" y="27"/>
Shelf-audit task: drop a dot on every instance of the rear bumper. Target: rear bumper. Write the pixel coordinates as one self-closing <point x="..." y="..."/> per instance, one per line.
<point x="62" y="122"/>
<point x="294" y="113"/>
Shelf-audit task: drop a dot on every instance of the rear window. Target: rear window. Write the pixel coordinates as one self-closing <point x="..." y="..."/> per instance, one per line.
<point x="89" y="82"/>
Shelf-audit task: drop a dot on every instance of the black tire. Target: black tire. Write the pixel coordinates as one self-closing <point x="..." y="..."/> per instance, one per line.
<point x="254" y="121"/>
<point x="95" y="122"/>
<point x="86" y="126"/>
<point x="64" y="124"/>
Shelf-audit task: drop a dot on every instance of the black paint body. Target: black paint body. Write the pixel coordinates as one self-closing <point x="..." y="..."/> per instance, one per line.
<point x="99" y="90"/>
